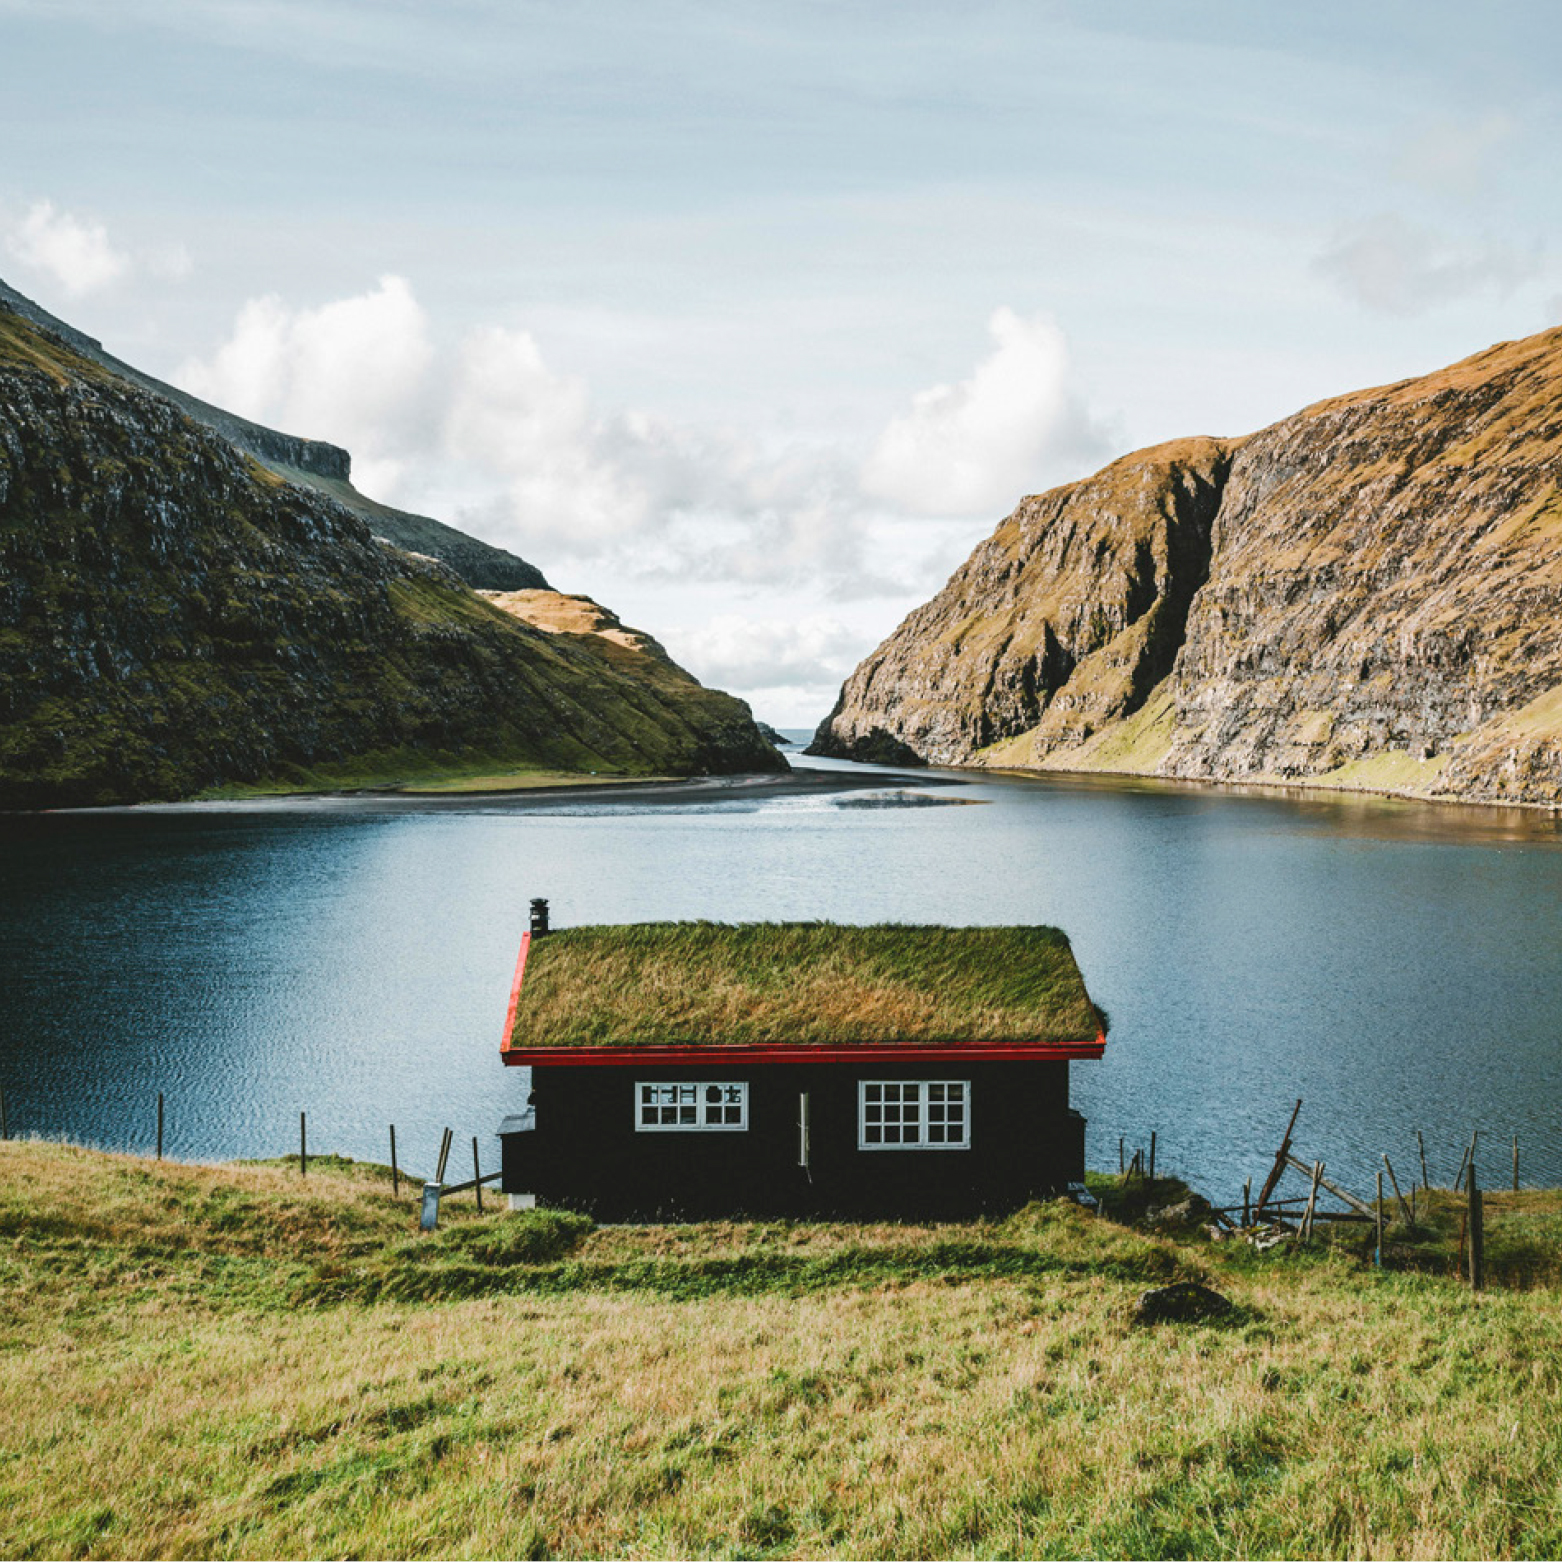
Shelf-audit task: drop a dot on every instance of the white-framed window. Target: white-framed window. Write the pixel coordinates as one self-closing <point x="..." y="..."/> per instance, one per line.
<point x="691" y="1107"/>
<point x="914" y="1114"/>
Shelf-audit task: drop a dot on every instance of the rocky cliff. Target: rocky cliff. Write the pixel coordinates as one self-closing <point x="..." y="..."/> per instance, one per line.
<point x="174" y="616"/>
<point x="1367" y="594"/>
<point x="310" y="463"/>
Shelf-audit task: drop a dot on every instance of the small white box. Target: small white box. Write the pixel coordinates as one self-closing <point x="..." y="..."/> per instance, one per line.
<point x="522" y="1200"/>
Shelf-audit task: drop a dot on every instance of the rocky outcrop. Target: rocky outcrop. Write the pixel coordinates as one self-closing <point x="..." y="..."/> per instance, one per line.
<point x="175" y="616"/>
<point x="1059" y="623"/>
<point x="311" y="463"/>
<point x="1373" y="596"/>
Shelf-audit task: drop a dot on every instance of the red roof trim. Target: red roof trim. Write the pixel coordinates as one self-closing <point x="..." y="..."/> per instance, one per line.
<point x="515" y="991"/>
<point x="867" y="1052"/>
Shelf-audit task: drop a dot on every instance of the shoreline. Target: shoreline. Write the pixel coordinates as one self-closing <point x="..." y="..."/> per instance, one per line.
<point x="743" y="787"/>
<point x="1292" y="789"/>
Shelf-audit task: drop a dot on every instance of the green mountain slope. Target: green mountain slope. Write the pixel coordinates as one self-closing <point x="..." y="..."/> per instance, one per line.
<point x="312" y="463"/>
<point x="175" y="616"/>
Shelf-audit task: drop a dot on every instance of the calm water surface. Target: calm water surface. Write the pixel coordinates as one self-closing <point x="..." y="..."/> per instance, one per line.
<point x="1398" y="966"/>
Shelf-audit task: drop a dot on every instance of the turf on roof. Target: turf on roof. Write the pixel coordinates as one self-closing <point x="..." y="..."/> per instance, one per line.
<point x="800" y="983"/>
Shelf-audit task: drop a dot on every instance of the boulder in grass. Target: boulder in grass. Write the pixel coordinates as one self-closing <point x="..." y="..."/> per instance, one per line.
<point x="1184" y="1302"/>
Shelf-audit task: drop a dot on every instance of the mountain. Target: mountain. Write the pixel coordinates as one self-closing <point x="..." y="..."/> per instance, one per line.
<point x="177" y="614"/>
<point x="1367" y="594"/>
<point x="310" y="463"/>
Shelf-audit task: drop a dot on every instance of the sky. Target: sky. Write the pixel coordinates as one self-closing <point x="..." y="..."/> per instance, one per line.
<point x="750" y="320"/>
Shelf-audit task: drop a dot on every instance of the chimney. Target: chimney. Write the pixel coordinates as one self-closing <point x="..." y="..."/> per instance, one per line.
<point x="539" y="918"/>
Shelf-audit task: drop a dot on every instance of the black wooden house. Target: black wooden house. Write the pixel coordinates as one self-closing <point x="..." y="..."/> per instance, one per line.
<point x="696" y="1070"/>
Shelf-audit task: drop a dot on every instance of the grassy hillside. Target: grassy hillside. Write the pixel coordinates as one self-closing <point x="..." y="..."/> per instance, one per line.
<point x="234" y="1362"/>
<point x="175" y="618"/>
<point x="1361" y="596"/>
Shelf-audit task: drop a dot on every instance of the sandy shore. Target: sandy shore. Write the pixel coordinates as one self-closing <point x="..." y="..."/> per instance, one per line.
<point x="692" y="791"/>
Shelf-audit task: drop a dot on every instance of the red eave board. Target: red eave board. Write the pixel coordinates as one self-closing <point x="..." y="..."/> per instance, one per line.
<point x="862" y="1052"/>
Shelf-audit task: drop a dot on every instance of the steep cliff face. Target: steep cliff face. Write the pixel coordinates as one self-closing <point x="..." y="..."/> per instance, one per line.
<point x="1381" y="608"/>
<point x="175" y="616"/>
<point x="1059" y="623"/>
<point x="310" y="463"/>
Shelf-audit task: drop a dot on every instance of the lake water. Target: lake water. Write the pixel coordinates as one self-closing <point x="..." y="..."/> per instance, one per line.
<point x="1398" y="966"/>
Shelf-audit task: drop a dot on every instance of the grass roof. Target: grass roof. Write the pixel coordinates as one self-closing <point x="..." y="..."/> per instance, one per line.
<point x="799" y="984"/>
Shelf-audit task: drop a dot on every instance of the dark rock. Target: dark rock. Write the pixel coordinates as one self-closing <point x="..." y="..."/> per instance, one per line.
<point x="1184" y="1302"/>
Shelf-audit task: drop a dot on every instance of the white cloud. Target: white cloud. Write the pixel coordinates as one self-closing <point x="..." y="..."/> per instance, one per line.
<point x="1393" y="266"/>
<point x="666" y="500"/>
<point x="510" y="416"/>
<point x="353" y="372"/>
<point x="73" y="251"/>
<point x="733" y="651"/>
<point x="486" y="434"/>
<point x="975" y="447"/>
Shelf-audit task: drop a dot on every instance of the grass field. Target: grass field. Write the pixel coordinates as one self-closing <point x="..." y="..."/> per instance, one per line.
<point x="232" y="1361"/>
<point x="419" y="774"/>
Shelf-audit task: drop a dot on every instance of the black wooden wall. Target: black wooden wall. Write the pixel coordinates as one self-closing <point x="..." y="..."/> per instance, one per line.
<point x="586" y="1154"/>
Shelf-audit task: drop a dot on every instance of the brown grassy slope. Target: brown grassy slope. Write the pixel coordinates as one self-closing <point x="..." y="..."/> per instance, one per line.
<point x="663" y="983"/>
<point x="599" y="631"/>
<point x="1387" y="577"/>
<point x="162" y="1397"/>
<point x="1381" y="608"/>
<point x="1066" y="616"/>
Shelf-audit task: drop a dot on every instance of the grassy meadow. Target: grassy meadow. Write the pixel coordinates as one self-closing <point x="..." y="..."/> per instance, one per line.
<point x="234" y="1361"/>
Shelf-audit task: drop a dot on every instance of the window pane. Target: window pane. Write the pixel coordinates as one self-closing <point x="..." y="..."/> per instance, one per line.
<point x="698" y="1104"/>
<point x="913" y="1114"/>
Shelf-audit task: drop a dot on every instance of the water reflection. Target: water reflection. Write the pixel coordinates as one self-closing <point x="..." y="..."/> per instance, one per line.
<point x="1398" y="965"/>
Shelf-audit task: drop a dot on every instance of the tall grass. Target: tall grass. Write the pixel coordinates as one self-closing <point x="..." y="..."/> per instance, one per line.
<point x="182" y="1379"/>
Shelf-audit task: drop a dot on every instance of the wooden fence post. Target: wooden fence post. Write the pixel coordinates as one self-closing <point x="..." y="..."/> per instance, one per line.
<point x="395" y="1170"/>
<point x="1312" y="1200"/>
<point x="1477" y="1235"/>
<point x="159" y="1125"/>
<point x="1247" y="1203"/>
<point x="1421" y="1146"/>
<point x="477" y="1172"/>
<point x="303" y="1147"/>
<point x="444" y="1156"/>
<point x="1515" y="1163"/>
<point x="1469" y="1157"/>
<point x="1122" y="1170"/>
<point x="1404" y="1209"/>
<point x="1377" y="1257"/>
<point x="1152" y="1155"/>
<point x="1279" y="1166"/>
